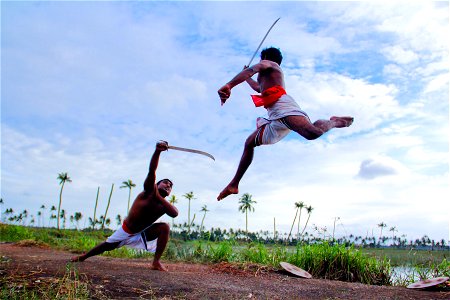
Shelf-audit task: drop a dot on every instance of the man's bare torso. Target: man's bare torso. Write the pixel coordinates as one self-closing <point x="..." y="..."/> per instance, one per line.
<point x="146" y="209"/>
<point x="269" y="75"/>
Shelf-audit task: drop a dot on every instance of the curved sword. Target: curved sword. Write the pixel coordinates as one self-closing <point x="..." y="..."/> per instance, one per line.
<point x="264" y="38"/>
<point x="192" y="151"/>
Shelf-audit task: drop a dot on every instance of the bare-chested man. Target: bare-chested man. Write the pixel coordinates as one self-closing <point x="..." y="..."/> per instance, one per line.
<point x="139" y="229"/>
<point x="284" y="113"/>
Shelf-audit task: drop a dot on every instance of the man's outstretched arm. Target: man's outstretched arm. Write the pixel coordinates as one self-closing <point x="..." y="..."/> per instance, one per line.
<point x="225" y="91"/>
<point x="149" y="183"/>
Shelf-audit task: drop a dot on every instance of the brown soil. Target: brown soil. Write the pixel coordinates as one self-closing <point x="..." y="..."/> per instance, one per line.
<point x="115" y="278"/>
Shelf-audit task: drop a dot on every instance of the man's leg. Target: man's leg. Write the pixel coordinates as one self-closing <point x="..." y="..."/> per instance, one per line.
<point x="312" y="131"/>
<point x="99" y="249"/>
<point x="246" y="160"/>
<point x="161" y="232"/>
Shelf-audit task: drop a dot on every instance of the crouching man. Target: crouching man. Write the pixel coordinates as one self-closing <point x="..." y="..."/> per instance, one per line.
<point x="139" y="229"/>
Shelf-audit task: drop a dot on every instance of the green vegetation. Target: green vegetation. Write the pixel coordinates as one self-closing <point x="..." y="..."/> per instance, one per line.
<point x="383" y="260"/>
<point x="322" y="260"/>
<point x="407" y="257"/>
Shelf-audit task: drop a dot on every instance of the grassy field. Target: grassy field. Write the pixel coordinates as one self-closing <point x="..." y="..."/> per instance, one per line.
<point x="408" y="257"/>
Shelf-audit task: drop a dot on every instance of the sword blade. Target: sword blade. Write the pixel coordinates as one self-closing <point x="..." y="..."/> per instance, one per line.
<point x="192" y="151"/>
<point x="264" y="38"/>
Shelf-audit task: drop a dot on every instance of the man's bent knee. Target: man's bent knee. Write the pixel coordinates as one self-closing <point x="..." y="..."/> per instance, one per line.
<point x="251" y="141"/>
<point x="312" y="135"/>
<point x="164" y="228"/>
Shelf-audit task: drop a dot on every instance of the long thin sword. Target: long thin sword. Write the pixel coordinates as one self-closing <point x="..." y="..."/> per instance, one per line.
<point x="192" y="151"/>
<point x="264" y="38"/>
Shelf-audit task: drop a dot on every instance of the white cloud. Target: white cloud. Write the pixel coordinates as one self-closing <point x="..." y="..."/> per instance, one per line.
<point x="399" y="55"/>
<point x="373" y="168"/>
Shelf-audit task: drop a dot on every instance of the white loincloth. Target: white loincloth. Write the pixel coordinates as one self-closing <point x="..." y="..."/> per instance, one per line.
<point x="136" y="240"/>
<point x="275" y="129"/>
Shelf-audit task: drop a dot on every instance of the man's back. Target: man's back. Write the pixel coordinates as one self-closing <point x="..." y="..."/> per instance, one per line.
<point x="269" y="74"/>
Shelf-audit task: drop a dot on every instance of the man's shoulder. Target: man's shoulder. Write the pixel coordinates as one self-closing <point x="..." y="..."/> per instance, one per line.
<point x="269" y="64"/>
<point x="146" y="195"/>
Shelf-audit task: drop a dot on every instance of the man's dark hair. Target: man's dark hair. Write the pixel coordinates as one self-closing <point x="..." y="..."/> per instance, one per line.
<point x="273" y="54"/>
<point x="171" y="183"/>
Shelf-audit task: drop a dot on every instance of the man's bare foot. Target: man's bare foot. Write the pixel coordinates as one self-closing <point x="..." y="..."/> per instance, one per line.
<point x="79" y="258"/>
<point x="227" y="191"/>
<point x="158" y="266"/>
<point x="342" y="121"/>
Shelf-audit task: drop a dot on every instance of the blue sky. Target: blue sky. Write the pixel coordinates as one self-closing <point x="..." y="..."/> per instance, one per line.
<point x="88" y="88"/>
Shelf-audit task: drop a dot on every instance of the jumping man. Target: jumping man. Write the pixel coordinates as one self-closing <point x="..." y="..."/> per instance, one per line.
<point x="284" y="113"/>
<point x="139" y="229"/>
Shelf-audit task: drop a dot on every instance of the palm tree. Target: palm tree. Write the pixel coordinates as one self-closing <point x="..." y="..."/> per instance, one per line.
<point x="63" y="177"/>
<point x="25" y="216"/>
<point x="42" y="214"/>
<point x="63" y="217"/>
<point x="107" y="207"/>
<point x="309" y="210"/>
<point x="119" y="220"/>
<point x="299" y="206"/>
<point x="128" y="184"/>
<point x="172" y="200"/>
<point x="246" y="205"/>
<point x="77" y="217"/>
<point x="334" y="225"/>
<point x="8" y="211"/>
<point x="1" y="208"/>
<point x="204" y="209"/>
<point x="393" y="229"/>
<point x="52" y="215"/>
<point x="39" y="215"/>
<point x="189" y="196"/>
<point x="381" y="225"/>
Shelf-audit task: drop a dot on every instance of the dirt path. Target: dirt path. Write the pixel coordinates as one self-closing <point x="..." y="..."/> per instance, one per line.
<point x="113" y="278"/>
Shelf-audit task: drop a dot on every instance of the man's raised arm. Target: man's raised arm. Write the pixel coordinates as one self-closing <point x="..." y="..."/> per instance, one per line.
<point x="149" y="183"/>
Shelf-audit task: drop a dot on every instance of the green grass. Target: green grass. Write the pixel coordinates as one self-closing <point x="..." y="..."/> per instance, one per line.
<point x="341" y="263"/>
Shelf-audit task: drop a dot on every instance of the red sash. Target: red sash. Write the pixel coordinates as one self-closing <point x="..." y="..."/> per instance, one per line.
<point x="126" y="229"/>
<point x="269" y="96"/>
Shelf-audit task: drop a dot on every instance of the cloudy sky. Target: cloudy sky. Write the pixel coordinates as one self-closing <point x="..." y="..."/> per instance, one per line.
<point x="88" y="88"/>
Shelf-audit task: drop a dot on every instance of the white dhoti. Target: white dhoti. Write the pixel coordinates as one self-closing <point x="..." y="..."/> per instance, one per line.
<point x="135" y="240"/>
<point x="274" y="129"/>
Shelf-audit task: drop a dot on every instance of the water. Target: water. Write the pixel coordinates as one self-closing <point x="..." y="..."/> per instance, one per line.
<point x="401" y="274"/>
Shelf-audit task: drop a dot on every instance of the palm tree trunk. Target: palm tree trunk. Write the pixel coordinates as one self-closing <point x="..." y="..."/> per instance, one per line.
<point x="107" y="206"/>
<point x="201" y="226"/>
<point x="305" y="224"/>
<point x="298" y="224"/>
<point x="189" y="216"/>
<point x="60" y="201"/>
<point x="129" y="198"/>
<point x="246" y="223"/>
<point x="95" y="208"/>
<point x="274" y="231"/>
<point x="293" y="222"/>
